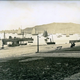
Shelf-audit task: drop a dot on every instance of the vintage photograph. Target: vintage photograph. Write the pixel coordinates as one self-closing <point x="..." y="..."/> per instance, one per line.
<point x="39" y="40"/>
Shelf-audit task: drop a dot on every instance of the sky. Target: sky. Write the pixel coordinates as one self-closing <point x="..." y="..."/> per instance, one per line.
<point x="23" y="14"/>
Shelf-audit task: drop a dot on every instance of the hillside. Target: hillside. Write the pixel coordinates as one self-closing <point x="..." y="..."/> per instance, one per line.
<point x="65" y="28"/>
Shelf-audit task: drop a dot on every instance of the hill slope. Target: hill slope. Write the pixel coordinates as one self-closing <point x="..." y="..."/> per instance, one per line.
<point x="65" y="28"/>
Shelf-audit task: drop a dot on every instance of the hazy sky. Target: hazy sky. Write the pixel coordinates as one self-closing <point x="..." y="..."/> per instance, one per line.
<point x="14" y="14"/>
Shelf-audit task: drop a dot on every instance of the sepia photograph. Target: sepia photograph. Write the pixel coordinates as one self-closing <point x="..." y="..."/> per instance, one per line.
<point x="39" y="40"/>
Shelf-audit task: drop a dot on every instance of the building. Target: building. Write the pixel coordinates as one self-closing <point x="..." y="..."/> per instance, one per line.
<point x="62" y="38"/>
<point x="34" y="42"/>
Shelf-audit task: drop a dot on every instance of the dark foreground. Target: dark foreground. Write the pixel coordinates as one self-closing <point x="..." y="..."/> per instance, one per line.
<point x="47" y="68"/>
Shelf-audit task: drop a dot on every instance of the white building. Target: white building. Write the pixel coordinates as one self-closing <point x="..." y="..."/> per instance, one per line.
<point x="41" y="40"/>
<point x="62" y="39"/>
<point x="1" y="35"/>
<point x="10" y="34"/>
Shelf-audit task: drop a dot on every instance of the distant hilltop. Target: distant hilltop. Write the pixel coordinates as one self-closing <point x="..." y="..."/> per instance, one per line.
<point x="64" y="28"/>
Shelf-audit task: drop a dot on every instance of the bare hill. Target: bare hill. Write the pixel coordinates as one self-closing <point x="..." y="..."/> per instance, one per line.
<point x="64" y="28"/>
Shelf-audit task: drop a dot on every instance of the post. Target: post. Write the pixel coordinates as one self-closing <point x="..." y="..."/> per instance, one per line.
<point x="4" y="35"/>
<point x="37" y="44"/>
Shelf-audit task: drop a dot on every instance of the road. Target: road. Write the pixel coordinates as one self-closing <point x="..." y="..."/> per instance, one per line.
<point x="44" y="51"/>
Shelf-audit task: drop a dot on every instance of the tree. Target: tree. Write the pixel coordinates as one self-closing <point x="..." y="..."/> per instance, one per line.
<point x="45" y="34"/>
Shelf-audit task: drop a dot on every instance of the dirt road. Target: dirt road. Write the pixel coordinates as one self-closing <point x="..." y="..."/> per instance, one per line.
<point x="44" y="51"/>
